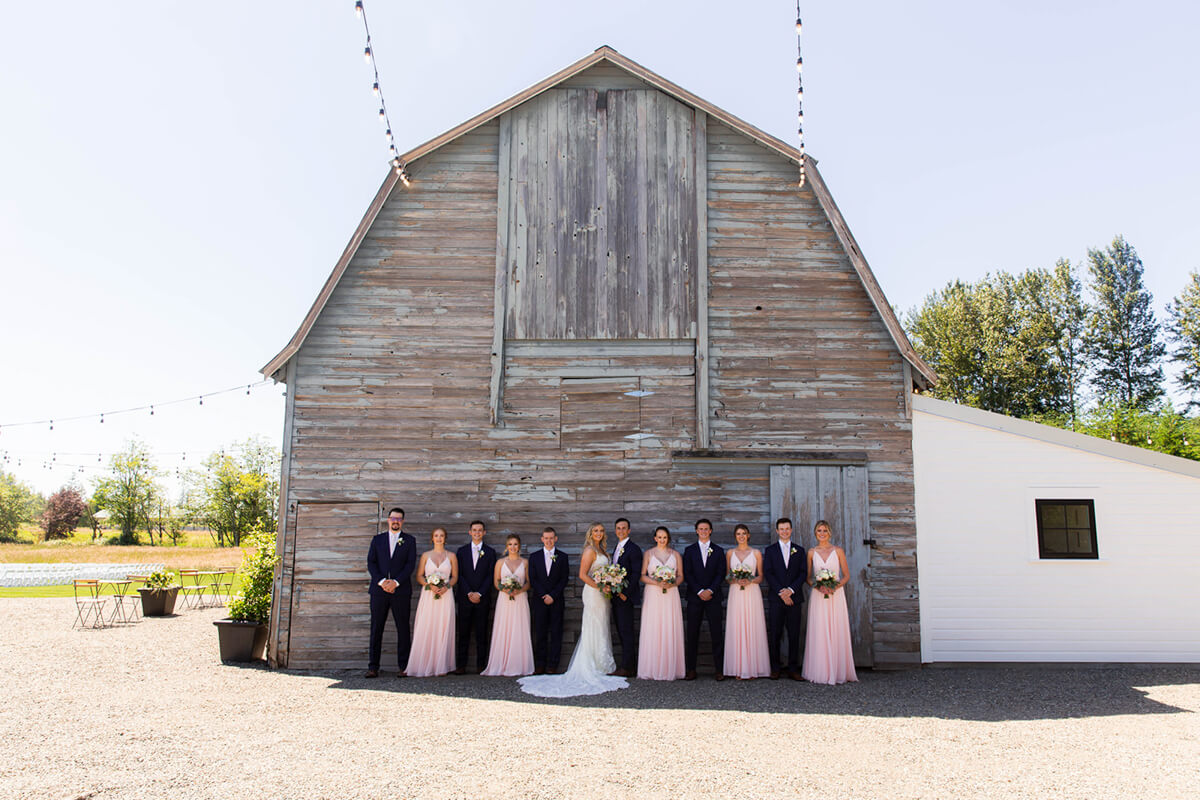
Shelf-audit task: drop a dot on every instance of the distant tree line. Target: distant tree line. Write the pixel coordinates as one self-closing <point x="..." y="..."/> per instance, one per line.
<point x="233" y="493"/>
<point x="1085" y="353"/>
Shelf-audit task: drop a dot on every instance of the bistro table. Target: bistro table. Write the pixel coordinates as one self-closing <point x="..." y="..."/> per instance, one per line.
<point x="125" y="605"/>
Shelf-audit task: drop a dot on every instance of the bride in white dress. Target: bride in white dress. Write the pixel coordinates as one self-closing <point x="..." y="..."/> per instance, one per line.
<point x="593" y="658"/>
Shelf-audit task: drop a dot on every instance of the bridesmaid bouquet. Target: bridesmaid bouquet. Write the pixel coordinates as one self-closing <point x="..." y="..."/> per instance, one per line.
<point x="664" y="574"/>
<point x="610" y="578"/>
<point x="825" y="579"/>
<point x="510" y="585"/>
<point x="740" y="574"/>
<point x="434" y="581"/>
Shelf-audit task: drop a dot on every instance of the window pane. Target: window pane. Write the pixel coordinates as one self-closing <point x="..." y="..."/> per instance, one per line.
<point x="1053" y="516"/>
<point x="1054" y="540"/>
<point x="1081" y="540"/>
<point x="1078" y="516"/>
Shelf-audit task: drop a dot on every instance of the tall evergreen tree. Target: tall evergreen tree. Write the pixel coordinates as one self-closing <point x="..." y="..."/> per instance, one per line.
<point x="1184" y="332"/>
<point x="1053" y="299"/>
<point x="1122" y="336"/>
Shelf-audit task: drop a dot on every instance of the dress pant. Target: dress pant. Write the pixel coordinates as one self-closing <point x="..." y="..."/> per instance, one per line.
<point x="397" y="604"/>
<point x="697" y="611"/>
<point x="623" y="611"/>
<point x="473" y="616"/>
<point x="547" y="632"/>
<point x="781" y="618"/>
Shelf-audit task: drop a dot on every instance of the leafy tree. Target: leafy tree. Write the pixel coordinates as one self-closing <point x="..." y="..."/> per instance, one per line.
<point x="1184" y="332"/>
<point x="63" y="511"/>
<point x="1163" y="429"/>
<point x="169" y="521"/>
<point x="129" y="491"/>
<point x="1007" y="343"/>
<point x="18" y="506"/>
<point x="1122" y="335"/>
<point x="238" y="492"/>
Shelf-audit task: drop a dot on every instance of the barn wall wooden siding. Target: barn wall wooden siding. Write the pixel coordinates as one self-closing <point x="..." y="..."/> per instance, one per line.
<point x="390" y="390"/>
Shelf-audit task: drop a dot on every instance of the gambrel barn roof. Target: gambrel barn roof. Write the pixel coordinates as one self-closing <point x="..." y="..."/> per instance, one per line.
<point x="606" y="55"/>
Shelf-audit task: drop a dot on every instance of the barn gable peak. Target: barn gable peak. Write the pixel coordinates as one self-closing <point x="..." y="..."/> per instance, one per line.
<point x="607" y="56"/>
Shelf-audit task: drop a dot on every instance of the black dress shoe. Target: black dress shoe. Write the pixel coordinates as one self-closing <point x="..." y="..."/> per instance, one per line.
<point x="372" y="673"/>
<point x="720" y="676"/>
<point x="691" y="676"/>
<point x="460" y="671"/>
<point x="620" y="672"/>
<point x="539" y="671"/>
<point x="401" y="674"/>
<point x="774" y="674"/>
<point x="796" y="676"/>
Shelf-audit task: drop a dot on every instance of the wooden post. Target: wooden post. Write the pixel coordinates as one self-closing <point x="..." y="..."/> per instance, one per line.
<point x="500" y="304"/>
<point x="700" y="164"/>
<point x="275" y="657"/>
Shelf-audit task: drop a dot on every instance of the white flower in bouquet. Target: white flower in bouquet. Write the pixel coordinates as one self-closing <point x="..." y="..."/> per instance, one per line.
<point x="610" y="579"/>
<point x="741" y="574"/>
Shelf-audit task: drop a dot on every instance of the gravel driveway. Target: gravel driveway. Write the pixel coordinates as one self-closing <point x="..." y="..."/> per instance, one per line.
<point x="148" y="711"/>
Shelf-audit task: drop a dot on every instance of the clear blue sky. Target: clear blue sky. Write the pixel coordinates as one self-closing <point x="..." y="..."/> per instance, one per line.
<point x="178" y="179"/>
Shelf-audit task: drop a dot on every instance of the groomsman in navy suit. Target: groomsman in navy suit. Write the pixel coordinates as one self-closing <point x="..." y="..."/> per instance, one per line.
<point x="704" y="571"/>
<point x="628" y="555"/>
<point x="549" y="569"/>
<point x="390" y="561"/>
<point x="476" y="563"/>
<point x="785" y="570"/>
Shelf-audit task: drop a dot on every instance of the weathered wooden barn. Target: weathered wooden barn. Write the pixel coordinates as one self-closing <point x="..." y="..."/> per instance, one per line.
<point x="603" y="297"/>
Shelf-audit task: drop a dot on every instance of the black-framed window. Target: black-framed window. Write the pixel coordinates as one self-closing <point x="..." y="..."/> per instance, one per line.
<point x="1066" y="528"/>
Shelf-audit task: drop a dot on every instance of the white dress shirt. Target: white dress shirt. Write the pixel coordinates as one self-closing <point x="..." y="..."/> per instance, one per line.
<point x="549" y="558"/>
<point x="786" y="547"/>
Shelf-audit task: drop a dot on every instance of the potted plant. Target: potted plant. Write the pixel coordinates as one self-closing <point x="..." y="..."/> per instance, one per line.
<point x="159" y="593"/>
<point x="243" y="636"/>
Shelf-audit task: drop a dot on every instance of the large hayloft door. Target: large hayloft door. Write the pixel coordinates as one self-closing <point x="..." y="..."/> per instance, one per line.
<point x="837" y="494"/>
<point x="599" y="196"/>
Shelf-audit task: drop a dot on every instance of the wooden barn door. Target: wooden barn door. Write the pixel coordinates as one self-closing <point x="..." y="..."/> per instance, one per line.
<point x="838" y="494"/>
<point x="330" y="614"/>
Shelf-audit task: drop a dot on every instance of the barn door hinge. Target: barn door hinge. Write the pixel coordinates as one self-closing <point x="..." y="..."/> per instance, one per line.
<point x="869" y="542"/>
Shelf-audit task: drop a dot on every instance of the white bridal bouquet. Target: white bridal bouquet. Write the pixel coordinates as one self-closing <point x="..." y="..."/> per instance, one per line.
<point x="610" y="579"/>
<point x="741" y="574"/>
<point x="825" y="579"/>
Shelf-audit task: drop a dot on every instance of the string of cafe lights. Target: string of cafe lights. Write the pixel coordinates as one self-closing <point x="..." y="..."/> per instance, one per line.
<point x="369" y="55"/>
<point x="150" y="407"/>
<point x="800" y="97"/>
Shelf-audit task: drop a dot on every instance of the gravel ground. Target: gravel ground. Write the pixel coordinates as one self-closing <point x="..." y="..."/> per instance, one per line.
<point x="148" y="711"/>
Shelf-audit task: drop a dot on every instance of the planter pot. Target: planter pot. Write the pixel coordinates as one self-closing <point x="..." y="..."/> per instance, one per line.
<point x="158" y="602"/>
<point x="241" y="641"/>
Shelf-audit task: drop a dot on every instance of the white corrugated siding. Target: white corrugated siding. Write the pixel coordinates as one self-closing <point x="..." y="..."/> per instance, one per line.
<point x="984" y="593"/>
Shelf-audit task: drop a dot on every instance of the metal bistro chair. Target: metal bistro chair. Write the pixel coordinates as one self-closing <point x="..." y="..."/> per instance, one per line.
<point x="126" y="606"/>
<point x="193" y="594"/>
<point x="223" y="585"/>
<point x="89" y="606"/>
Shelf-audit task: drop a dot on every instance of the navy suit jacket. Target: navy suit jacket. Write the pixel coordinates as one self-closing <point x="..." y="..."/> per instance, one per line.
<point x="554" y="583"/>
<point x="631" y="560"/>
<point x="475" y="578"/>
<point x="383" y="564"/>
<point x="777" y="577"/>
<point x="701" y="576"/>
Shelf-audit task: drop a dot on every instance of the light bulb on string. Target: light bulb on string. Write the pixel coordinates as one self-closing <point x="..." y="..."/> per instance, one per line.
<point x="799" y="65"/>
<point x="367" y="54"/>
<point x="201" y="399"/>
<point x="382" y="115"/>
<point x="247" y="388"/>
<point x="358" y="9"/>
<point x="375" y="88"/>
<point x="798" y="26"/>
<point x="51" y="424"/>
<point x="101" y="419"/>
<point x="152" y="411"/>
<point x="387" y="135"/>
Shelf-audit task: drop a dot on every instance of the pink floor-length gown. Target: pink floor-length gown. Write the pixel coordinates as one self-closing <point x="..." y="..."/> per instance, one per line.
<point x="660" y="644"/>
<point x="511" y="652"/>
<point x="432" y="651"/>
<point x="746" y="651"/>
<point x="828" y="650"/>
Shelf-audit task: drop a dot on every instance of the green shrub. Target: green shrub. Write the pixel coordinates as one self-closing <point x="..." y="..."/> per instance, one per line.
<point x="163" y="579"/>
<point x="258" y="575"/>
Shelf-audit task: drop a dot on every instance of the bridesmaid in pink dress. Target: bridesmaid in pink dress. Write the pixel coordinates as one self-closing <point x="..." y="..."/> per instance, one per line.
<point x="511" y="652"/>
<point x="660" y="644"/>
<point x="746" y="652"/>
<point x="828" y="650"/>
<point x="432" y="650"/>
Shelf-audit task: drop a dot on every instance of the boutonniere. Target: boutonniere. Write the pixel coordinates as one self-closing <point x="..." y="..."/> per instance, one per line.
<point x="794" y="550"/>
<point x="399" y="540"/>
<point x="553" y="557"/>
